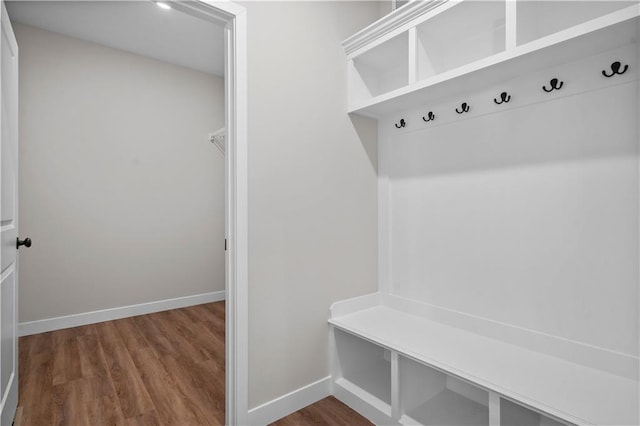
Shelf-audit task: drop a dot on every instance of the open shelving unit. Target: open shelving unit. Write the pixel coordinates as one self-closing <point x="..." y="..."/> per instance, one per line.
<point x="489" y="225"/>
<point x="445" y="375"/>
<point x="431" y="48"/>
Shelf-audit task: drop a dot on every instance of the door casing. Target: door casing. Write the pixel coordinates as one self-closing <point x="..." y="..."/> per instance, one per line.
<point x="234" y="17"/>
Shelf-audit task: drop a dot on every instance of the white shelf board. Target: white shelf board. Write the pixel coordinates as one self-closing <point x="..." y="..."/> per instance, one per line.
<point x="568" y="391"/>
<point x="605" y="33"/>
<point x="448" y="409"/>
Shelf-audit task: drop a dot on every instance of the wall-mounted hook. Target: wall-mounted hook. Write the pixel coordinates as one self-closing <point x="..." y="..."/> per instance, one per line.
<point x="503" y="98"/>
<point x="554" y="85"/>
<point x="615" y="69"/>
<point x="464" y="107"/>
<point x="430" y="117"/>
<point x="402" y="124"/>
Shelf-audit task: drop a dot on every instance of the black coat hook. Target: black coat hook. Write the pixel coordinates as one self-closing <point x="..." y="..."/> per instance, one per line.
<point x="503" y="98"/>
<point x="430" y="117"/>
<point x="615" y="69"/>
<point x="465" y="108"/>
<point x="401" y="125"/>
<point x="554" y="85"/>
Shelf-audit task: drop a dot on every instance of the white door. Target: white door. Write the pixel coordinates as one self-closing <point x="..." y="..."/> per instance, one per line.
<point x="8" y="219"/>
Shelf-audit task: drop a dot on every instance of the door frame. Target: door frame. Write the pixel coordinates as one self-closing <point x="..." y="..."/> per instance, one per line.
<point x="234" y="18"/>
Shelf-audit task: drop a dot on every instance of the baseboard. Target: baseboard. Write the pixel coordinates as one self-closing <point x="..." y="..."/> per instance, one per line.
<point x="366" y="407"/>
<point x="58" y="323"/>
<point x="280" y="407"/>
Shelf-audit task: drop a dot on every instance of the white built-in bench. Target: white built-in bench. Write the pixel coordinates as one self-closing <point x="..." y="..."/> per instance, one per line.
<point x="396" y="367"/>
<point x="519" y="221"/>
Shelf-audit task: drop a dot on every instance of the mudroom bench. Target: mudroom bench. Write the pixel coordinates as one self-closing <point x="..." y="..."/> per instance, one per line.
<point x="398" y="361"/>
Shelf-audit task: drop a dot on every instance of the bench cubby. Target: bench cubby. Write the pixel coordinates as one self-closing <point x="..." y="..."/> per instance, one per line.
<point x="431" y="397"/>
<point x="365" y="368"/>
<point x="512" y="414"/>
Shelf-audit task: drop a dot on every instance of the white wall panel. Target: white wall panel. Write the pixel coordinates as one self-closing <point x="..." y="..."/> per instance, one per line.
<point x="527" y="216"/>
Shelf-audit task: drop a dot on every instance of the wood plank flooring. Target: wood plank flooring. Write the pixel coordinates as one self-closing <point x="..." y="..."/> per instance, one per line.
<point x="165" y="368"/>
<point x="327" y="411"/>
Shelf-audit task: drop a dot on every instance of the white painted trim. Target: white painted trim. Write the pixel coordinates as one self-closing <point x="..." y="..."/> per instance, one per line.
<point x="280" y="407"/>
<point x="355" y="304"/>
<point x="389" y="25"/>
<point x="234" y="17"/>
<point x="384" y="236"/>
<point x="75" y="320"/>
<point x="237" y="228"/>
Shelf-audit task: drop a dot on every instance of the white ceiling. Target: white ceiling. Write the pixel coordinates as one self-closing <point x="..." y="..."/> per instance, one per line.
<point x="139" y="27"/>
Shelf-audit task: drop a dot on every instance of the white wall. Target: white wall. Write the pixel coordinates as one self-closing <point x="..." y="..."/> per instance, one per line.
<point x="120" y="191"/>
<point x="525" y="214"/>
<point x="312" y="189"/>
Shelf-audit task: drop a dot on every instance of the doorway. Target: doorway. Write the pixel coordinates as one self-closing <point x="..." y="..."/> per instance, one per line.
<point x="235" y="194"/>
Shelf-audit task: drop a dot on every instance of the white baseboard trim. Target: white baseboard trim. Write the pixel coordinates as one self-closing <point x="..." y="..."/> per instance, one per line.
<point x="58" y="323"/>
<point x="280" y="407"/>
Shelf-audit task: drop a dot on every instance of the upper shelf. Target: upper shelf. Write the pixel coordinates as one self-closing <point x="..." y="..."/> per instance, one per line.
<point x="427" y="50"/>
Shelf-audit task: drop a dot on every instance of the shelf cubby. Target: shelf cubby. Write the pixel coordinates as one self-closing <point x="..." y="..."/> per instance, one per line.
<point x="460" y="35"/>
<point x="365" y="366"/>
<point x="430" y="397"/>
<point x="537" y="19"/>
<point x="427" y="50"/>
<point x="381" y="69"/>
<point x="512" y="414"/>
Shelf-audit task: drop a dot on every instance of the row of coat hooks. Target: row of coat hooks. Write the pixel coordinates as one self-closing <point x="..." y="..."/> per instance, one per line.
<point x="554" y="84"/>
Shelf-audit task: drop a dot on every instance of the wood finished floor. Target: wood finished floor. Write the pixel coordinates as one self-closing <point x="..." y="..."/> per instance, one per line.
<point x="328" y="411"/>
<point x="165" y="368"/>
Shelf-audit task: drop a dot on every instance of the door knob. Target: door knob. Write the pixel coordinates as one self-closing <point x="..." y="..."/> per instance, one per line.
<point x="26" y="242"/>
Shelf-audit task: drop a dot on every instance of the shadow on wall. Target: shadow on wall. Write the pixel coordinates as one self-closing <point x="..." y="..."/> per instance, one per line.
<point x="367" y="131"/>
